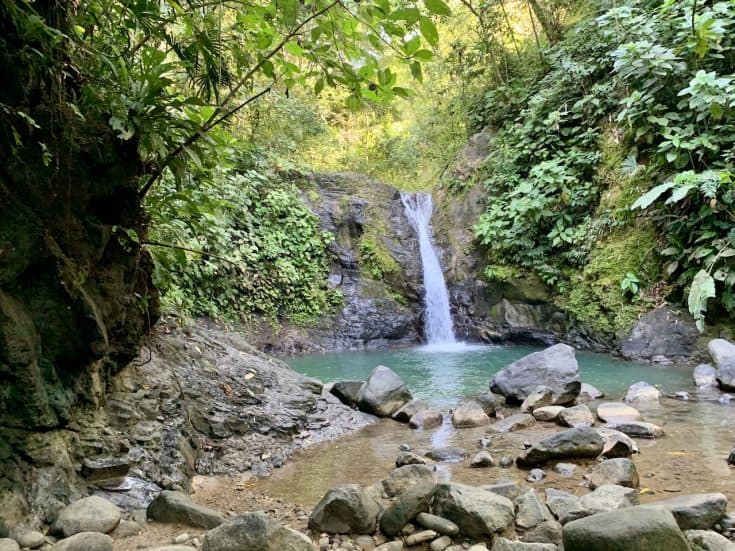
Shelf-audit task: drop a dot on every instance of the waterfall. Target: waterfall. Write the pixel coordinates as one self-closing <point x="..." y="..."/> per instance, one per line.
<point x="438" y="321"/>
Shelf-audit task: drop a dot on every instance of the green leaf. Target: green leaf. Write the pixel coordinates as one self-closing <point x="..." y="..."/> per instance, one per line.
<point x="703" y="289"/>
<point x="679" y="193"/>
<point x="645" y="200"/>
<point x="437" y="7"/>
<point x="428" y="30"/>
<point x="416" y="71"/>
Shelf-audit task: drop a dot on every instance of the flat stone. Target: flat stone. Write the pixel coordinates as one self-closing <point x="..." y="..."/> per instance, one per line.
<point x="345" y="509"/>
<point x="579" y="417"/>
<point x="438" y="524"/>
<point x="426" y="419"/>
<point x="539" y="397"/>
<point x="405" y="507"/>
<point x="451" y="454"/>
<point x="477" y="512"/>
<point x="482" y="459"/>
<point x="563" y="445"/>
<point x="504" y="487"/>
<point x="617" y="412"/>
<point x="383" y="393"/>
<point x="639" y="429"/>
<point x="470" y="414"/>
<point x="421" y="537"/>
<point x="105" y="468"/>
<point x="530" y="512"/>
<point x="513" y="423"/>
<point x="707" y="540"/>
<point x="548" y="413"/>
<point x="694" y="512"/>
<point x="641" y="392"/>
<point x="503" y="544"/>
<point x="85" y="541"/>
<point x="609" y="498"/>
<point x="625" y="530"/>
<point x="255" y="532"/>
<point x="170" y="506"/>
<point x="619" y="471"/>
<point x="564" y="506"/>
<point x="403" y="478"/>
<point x="89" y="514"/>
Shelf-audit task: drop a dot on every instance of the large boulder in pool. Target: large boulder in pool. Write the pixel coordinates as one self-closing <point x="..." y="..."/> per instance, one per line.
<point x="631" y="529"/>
<point x="563" y="445"/>
<point x="556" y="367"/>
<point x="384" y="393"/>
<point x="345" y="509"/>
<point x="723" y="358"/>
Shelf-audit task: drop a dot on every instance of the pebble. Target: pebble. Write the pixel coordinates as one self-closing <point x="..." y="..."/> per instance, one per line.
<point x="30" y="539"/>
<point x="536" y="475"/>
<point x="440" y="544"/>
<point x="182" y="538"/>
<point x="421" y="537"/>
<point x="391" y="546"/>
<point x="405" y="448"/>
<point x="565" y="469"/>
<point x="438" y="524"/>
<point x="506" y="461"/>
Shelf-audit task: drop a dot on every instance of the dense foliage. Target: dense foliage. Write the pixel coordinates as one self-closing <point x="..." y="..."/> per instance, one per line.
<point x="657" y="76"/>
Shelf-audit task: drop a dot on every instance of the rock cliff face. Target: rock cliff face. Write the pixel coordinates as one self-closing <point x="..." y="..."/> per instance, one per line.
<point x="376" y="266"/>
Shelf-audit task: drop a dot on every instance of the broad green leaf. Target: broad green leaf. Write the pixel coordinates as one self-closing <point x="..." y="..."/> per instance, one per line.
<point x="645" y="200"/>
<point x="702" y="289"/>
<point x="679" y="193"/>
<point x="428" y="30"/>
<point x="438" y="7"/>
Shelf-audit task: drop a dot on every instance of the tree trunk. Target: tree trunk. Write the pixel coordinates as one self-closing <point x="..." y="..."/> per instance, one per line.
<point x="552" y="28"/>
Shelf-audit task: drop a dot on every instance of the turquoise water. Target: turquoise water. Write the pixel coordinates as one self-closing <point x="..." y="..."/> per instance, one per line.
<point x="442" y="376"/>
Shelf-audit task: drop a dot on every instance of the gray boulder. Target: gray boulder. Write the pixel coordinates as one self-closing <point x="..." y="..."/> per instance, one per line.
<point x="409" y="409"/>
<point x="512" y="423"/>
<point x="488" y="401"/>
<point x="548" y="413"/>
<point x="470" y="414"/>
<point x="426" y="419"/>
<point x="530" y="512"/>
<point x="661" y="333"/>
<point x="570" y="443"/>
<point x="347" y="391"/>
<point x="403" y="478"/>
<point x="504" y="487"/>
<point x="30" y="539"/>
<point x="616" y="412"/>
<point x="482" y="459"/>
<point x="705" y="376"/>
<point x="406" y="506"/>
<point x="638" y="429"/>
<point x="723" y="358"/>
<point x="7" y="544"/>
<point x="641" y="392"/>
<point x="169" y="506"/>
<point x="564" y="506"/>
<point x="707" y="540"/>
<point x="694" y="512"/>
<point x="541" y="396"/>
<point x="630" y="529"/>
<point x="549" y="531"/>
<point x="255" y="532"/>
<point x="619" y="471"/>
<point x="384" y="393"/>
<point x="503" y="544"/>
<point x="410" y="458"/>
<point x="345" y="509"/>
<point x="85" y="541"/>
<point x="477" y="512"/>
<point x="89" y="514"/>
<point x="588" y="392"/>
<point x="555" y="367"/>
<point x="609" y="497"/>
<point x="617" y="444"/>
<point x="578" y="417"/>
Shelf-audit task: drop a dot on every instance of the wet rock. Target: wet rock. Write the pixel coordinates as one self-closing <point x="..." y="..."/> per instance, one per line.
<point x="482" y="459"/>
<point x="7" y="544"/>
<point x="383" y="393"/>
<point x="169" y="506"/>
<point x="421" y="537"/>
<point x="440" y="544"/>
<point x="438" y="524"/>
<point x="620" y="471"/>
<point x="565" y="469"/>
<point x="617" y="444"/>
<point x="406" y="506"/>
<point x="564" y="506"/>
<point x="661" y="332"/>
<point x="694" y="512"/>
<point x="347" y="391"/>
<point x="588" y="392"/>
<point x="409" y="458"/>
<point x="85" y="541"/>
<point x="530" y="512"/>
<point x="403" y="478"/>
<point x="536" y="475"/>
<point x="555" y="367"/>
<point x="548" y="413"/>
<point x="502" y="544"/>
<point x="731" y="457"/>
<point x="513" y="423"/>
<point x="30" y="539"/>
<point x="255" y="532"/>
<point x="541" y="396"/>
<point x="506" y="461"/>
<point x="563" y="445"/>
<point x="707" y="540"/>
<point x="641" y="392"/>
<point x="488" y="401"/>
<point x="89" y="514"/>
<point x="504" y="487"/>
<point x="609" y="498"/>
<point x="410" y="409"/>
<point x="477" y="512"/>
<point x="105" y="468"/>
<point x="705" y="376"/>
<point x="639" y="429"/>
<point x="426" y="419"/>
<point x="549" y="531"/>
<point x="451" y="454"/>
<point x="578" y="417"/>
<point x="616" y="412"/>
<point x="628" y="529"/>
<point x="470" y="414"/>
<point x="723" y="358"/>
<point x="390" y="546"/>
<point x="345" y="509"/>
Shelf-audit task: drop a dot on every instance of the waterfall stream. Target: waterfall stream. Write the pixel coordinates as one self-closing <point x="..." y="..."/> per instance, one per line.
<point x="438" y="327"/>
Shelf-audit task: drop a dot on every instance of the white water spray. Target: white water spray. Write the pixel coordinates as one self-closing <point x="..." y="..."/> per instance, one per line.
<point x="438" y="321"/>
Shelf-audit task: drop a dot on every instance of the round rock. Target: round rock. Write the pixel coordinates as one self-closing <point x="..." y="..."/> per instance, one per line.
<point x="89" y="514"/>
